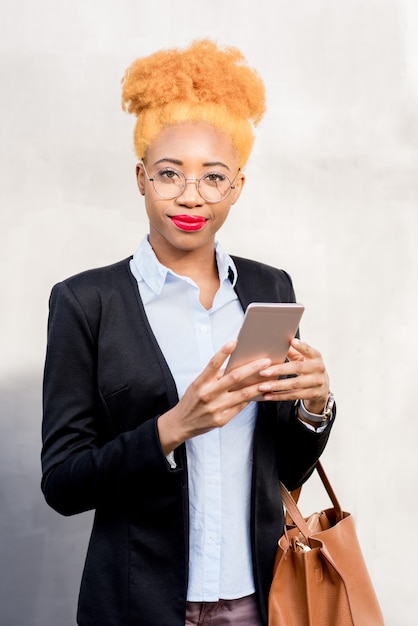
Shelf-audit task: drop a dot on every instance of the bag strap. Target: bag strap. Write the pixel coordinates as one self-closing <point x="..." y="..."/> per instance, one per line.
<point x="330" y="491"/>
<point x="293" y="511"/>
<point x="295" y="493"/>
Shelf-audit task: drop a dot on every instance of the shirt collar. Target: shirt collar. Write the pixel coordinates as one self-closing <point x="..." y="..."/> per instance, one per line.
<point x="154" y="274"/>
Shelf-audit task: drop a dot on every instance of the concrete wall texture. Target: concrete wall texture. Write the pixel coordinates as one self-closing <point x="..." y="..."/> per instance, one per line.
<point x="331" y="196"/>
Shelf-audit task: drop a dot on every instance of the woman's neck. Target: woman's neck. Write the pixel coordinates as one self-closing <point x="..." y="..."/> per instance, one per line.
<point x="198" y="264"/>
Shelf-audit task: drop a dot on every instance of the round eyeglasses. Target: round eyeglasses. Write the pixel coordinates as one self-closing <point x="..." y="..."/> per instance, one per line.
<point x="170" y="183"/>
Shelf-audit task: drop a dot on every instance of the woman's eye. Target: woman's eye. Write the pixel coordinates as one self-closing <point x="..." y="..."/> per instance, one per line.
<point x="168" y="174"/>
<point x="214" y="178"/>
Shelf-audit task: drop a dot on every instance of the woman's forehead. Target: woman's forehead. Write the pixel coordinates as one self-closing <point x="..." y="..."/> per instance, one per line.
<point x="197" y="141"/>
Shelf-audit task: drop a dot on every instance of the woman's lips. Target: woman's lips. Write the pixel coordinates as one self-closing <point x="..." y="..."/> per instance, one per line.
<point x="188" y="222"/>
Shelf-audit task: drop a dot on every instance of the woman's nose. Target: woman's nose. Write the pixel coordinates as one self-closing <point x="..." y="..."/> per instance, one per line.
<point x="190" y="195"/>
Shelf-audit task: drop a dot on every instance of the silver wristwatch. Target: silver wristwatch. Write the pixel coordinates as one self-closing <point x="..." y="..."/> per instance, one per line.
<point x="318" y="418"/>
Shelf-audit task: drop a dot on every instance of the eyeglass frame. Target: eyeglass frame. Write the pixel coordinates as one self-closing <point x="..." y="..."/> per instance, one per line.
<point x="151" y="179"/>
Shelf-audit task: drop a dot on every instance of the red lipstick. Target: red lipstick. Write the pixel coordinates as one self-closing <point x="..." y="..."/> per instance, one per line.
<point x="188" y="222"/>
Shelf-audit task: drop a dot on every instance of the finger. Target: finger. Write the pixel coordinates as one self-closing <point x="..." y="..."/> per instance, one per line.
<point x="311" y="385"/>
<point x="289" y="385"/>
<point x="304" y="349"/>
<point x="292" y="367"/>
<point x="243" y="373"/>
<point x="296" y="366"/>
<point x="217" y="361"/>
<point x="298" y="352"/>
<point x="294" y="355"/>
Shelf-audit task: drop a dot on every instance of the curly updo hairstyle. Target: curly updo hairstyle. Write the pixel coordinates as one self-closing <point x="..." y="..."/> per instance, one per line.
<point x="201" y="83"/>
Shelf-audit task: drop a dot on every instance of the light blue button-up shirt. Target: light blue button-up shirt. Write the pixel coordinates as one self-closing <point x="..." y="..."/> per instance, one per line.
<point x="220" y="461"/>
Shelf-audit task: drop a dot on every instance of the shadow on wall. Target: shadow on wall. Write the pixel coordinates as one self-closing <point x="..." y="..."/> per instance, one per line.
<point x="41" y="553"/>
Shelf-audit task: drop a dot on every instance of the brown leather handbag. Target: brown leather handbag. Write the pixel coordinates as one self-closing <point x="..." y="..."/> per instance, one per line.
<point x="320" y="576"/>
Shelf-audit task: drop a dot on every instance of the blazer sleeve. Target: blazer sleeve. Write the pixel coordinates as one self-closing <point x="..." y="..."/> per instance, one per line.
<point x="86" y="462"/>
<point x="297" y="448"/>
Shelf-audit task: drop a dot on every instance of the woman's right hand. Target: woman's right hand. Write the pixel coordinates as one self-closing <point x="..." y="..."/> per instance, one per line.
<point x="209" y="401"/>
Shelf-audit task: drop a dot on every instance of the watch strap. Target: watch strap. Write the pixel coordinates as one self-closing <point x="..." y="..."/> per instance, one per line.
<point x="317" y="418"/>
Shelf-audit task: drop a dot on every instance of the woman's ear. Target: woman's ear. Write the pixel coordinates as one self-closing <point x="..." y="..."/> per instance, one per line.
<point x="238" y="186"/>
<point x="140" y="178"/>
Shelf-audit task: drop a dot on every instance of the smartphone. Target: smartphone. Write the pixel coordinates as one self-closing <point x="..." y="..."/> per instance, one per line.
<point x="266" y="332"/>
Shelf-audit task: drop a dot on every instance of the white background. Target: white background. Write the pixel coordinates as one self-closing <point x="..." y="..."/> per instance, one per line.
<point x="331" y="196"/>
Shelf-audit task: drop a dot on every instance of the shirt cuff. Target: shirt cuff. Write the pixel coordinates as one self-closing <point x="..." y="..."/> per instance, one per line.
<point x="171" y="460"/>
<point x="320" y="429"/>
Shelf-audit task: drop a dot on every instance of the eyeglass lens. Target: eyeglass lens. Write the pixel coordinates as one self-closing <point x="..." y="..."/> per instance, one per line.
<point x="170" y="183"/>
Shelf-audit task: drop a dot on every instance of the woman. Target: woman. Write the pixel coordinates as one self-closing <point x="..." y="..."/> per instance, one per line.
<point x="140" y="423"/>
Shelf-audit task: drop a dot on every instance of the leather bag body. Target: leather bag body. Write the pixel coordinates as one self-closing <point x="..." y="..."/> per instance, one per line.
<point x="320" y="576"/>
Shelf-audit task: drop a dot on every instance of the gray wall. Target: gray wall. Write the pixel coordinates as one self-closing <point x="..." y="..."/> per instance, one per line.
<point x="331" y="196"/>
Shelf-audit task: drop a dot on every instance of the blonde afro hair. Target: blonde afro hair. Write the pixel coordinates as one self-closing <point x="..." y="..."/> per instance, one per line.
<point x="200" y="83"/>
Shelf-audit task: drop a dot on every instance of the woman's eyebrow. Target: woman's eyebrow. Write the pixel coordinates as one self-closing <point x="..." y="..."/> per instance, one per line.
<point x="215" y="164"/>
<point x="180" y="163"/>
<point x="168" y="160"/>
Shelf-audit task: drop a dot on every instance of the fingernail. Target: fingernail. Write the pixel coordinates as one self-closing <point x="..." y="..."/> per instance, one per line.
<point x="264" y="387"/>
<point x="267" y="372"/>
<point x="264" y="363"/>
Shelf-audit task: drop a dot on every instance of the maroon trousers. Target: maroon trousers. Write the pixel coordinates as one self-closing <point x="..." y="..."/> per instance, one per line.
<point x="241" y="612"/>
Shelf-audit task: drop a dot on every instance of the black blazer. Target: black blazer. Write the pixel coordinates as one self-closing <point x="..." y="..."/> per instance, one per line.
<point x="105" y="384"/>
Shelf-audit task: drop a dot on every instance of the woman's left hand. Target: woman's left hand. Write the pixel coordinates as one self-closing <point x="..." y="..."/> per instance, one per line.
<point x="308" y="378"/>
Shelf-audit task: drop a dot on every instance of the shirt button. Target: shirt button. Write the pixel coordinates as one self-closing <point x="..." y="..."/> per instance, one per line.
<point x="212" y="538"/>
<point x="204" y="329"/>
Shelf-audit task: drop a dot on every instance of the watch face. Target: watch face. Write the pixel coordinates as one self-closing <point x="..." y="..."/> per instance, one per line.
<point x="329" y="405"/>
<point x="318" y="418"/>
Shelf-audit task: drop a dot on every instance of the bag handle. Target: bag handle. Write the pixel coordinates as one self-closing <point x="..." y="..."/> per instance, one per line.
<point x="293" y="510"/>
<point x="330" y="491"/>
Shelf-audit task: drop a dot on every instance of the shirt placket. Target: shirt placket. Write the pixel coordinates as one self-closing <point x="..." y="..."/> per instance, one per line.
<point x="212" y="471"/>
